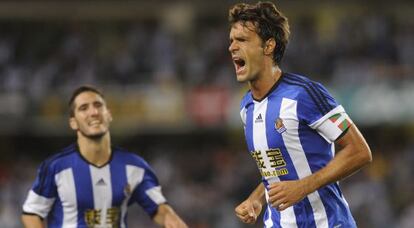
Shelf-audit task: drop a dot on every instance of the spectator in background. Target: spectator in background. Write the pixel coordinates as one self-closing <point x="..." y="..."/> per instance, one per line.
<point x="90" y="183"/>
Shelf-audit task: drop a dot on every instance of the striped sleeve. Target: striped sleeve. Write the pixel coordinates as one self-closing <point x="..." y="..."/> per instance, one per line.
<point x="148" y="193"/>
<point x="41" y="197"/>
<point x="319" y="110"/>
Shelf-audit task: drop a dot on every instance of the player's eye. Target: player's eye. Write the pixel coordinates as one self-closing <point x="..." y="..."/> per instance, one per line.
<point x="98" y="104"/>
<point x="83" y="107"/>
<point x="240" y="39"/>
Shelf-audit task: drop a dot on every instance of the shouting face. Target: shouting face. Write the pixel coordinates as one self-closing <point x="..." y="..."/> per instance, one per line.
<point x="247" y="51"/>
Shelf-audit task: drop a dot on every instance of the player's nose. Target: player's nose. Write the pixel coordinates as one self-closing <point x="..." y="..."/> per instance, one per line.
<point x="94" y="111"/>
<point x="232" y="47"/>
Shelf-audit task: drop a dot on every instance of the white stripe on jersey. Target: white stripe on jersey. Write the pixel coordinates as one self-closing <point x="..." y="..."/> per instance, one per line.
<point x="260" y="143"/>
<point x="288" y="113"/>
<point x="67" y="193"/>
<point x="243" y="116"/>
<point x="134" y="176"/>
<point x="38" y="204"/>
<point x="259" y="132"/>
<point x="156" y="195"/>
<point x="102" y="189"/>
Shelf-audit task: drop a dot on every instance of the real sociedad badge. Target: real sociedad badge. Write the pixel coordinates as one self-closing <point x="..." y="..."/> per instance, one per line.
<point x="279" y="126"/>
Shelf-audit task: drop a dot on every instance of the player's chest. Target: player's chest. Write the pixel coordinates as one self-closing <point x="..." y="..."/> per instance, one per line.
<point x="85" y="186"/>
<point x="268" y="122"/>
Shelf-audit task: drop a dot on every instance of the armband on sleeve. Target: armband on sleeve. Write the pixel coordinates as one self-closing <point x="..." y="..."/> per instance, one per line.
<point x="332" y="124"/>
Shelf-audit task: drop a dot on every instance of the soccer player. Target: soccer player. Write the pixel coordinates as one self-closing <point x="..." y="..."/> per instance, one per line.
<point x="91" y="183"/>
<point x="291" y="126"/>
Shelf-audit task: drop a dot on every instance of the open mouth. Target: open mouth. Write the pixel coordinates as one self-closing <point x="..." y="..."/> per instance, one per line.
<point x="239" y="64"/>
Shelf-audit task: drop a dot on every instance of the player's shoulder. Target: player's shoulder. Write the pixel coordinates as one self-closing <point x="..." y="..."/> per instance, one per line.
<point x="310" y="93"/>
<point x="128" y="157"/>
<point x="296" y="80"/>
<point x="303" y="85"/>
<point x="60" y="158"/>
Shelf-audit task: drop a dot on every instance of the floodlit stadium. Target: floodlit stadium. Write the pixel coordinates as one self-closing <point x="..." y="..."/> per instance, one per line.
<point x="170" y="84"/>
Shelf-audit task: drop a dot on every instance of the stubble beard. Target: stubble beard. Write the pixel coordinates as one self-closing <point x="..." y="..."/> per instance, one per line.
<point x="94" y="137"/>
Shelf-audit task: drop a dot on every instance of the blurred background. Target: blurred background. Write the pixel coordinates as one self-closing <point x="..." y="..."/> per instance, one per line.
<point x="171" y="86"/>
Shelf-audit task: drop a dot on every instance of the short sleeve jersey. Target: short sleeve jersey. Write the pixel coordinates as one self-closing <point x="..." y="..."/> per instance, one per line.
<point x="71" y="192"/>
<point x="290" y="134"/>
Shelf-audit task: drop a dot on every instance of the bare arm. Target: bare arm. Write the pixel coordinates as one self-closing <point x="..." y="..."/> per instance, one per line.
<point x="167" y="217"/>
<point x="258" y="194"/>
<point x="32" y="221"/>
<point x="250" y="209"/>
<point x="354" y="153"/>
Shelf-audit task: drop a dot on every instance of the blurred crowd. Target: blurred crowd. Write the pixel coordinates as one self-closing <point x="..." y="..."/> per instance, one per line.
<point x="204" y="176"/>
<point x="350" y="51"/>
<point x="165" y="80"/>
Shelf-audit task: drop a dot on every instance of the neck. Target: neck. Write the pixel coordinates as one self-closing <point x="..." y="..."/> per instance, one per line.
<point x="262" y="85"/>
<point x="95" y="151"/>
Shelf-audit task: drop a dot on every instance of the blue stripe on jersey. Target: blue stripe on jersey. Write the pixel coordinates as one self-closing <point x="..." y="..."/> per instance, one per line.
<point x="273" y="137"/>
<point x="311" y="85"/>
<point x="84" y="191"/>
<point x="314" y="92"/>
<point x="304" y="213"/>
<point x="315" y="88"/>
<point x="119" y="182"/>
<point x="318" y="151"/>
<point x="338" y="213"/>
<point x="312" y="96"/>
<point x="249" y="127"/>
<point x="273" y="215"/>
<point x="55" y="219"/>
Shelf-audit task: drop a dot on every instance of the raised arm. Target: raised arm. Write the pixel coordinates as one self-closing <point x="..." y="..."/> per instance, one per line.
<point x="354" y="153"/>
<point x="166" y="217"/>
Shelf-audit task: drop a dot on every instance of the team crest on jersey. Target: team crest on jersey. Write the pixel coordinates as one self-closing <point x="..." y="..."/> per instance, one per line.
<point x="279" y="126"/>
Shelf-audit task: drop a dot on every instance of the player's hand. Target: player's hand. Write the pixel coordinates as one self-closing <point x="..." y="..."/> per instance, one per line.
<point x="248" y="211"/>
<point x="286" y="193"/>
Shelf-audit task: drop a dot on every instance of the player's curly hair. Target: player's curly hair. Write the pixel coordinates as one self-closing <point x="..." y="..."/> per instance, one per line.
<point x="269" y="22"/>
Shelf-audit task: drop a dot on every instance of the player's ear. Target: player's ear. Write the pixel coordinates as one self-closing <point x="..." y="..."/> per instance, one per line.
<point x="73" y="124"/>
<point x="269" y="46"/>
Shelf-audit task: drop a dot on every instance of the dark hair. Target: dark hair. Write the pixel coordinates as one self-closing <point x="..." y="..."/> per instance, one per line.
<point x="269" y="22"/>
<point x="79" y="90"/>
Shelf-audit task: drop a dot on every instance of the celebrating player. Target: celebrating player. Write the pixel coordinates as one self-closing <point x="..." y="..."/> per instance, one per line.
<point x="90" y="183"/>
<point x="291" y="126"/>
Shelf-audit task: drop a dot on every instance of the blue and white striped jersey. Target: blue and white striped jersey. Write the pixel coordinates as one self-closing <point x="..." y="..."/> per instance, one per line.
<point x="71" y="192"/>
<point x="290" y="134"/>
